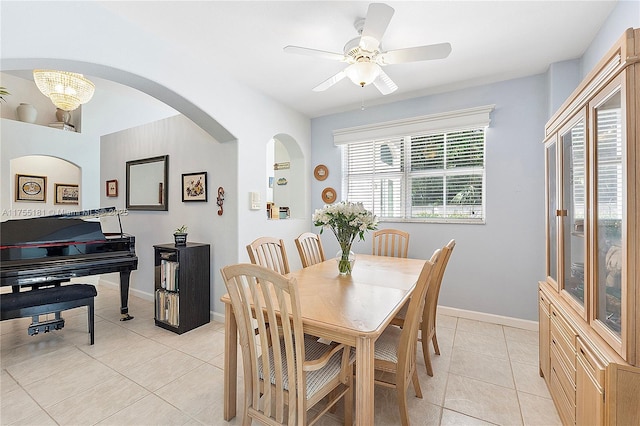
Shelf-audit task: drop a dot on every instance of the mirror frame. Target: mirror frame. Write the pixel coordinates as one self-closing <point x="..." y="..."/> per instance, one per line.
<point x="164" y="205"/>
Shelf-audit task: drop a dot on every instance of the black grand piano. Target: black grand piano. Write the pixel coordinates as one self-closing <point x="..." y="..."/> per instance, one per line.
<point x="50" y="250"/>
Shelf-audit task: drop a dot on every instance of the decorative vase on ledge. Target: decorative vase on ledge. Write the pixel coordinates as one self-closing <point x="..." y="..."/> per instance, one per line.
<point x="27" y="113"/>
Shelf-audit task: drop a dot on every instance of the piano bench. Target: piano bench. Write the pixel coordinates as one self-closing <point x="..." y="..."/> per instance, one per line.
<point x="46" y="301"/>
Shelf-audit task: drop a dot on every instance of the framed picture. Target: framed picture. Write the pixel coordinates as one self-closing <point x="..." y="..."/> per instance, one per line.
<point x="31" y="188"/>
<point x="66" y="193"/>
<point x="194" y="186"/>
<point x="112" y="188"/>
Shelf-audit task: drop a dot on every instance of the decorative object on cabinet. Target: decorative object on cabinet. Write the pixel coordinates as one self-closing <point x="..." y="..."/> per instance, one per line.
<point x="220" y="200"/>
<point x="182" y="286"/>
<point x="31" y="188"/>
<point x="180" y="236"/>
<point x="148" y="183"/>
<point x="329" y="195"/>
<point x="321" y="172"/>
<point x="194" y="187"/>
<point x="27" y="113"/>
<point x="67" y="90"/>
<point x="589" y="325"/>
<point x="112" y="188"/>
<point x="66" y="193"/>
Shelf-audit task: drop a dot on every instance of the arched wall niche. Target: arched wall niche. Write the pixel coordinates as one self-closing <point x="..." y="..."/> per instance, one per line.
<point x="285" y="175"/>
<point x="158" y="91"/>
<point x="55" y="171"/>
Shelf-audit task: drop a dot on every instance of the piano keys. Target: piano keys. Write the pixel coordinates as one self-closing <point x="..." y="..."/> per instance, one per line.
<point x="53" y="249"/>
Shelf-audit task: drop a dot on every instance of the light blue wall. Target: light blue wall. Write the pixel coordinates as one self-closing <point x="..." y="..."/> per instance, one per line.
<point x="495" y="267"/>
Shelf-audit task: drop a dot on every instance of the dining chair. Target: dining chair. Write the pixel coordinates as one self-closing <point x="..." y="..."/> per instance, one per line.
<point x="428" y="324"/>
<point x="310" y="249"/>
<point x="396" y="349"/>
<point x="278" y="389"/>
<point x="390" y="242"/>
<point x="269" y="252"/>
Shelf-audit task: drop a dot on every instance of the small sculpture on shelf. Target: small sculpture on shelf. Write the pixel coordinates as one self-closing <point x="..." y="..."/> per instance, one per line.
<point x="180" y="236"/>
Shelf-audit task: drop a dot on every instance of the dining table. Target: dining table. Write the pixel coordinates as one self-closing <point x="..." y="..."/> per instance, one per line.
<point x="351" y="309"/>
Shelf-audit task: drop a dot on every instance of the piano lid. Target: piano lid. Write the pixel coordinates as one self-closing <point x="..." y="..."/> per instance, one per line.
<point x="78" y="226"/>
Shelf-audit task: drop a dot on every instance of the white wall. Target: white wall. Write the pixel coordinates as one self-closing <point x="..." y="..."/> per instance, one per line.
<point x="190" y="150"/>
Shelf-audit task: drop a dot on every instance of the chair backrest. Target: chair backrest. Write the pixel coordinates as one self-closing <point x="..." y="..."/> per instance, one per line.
<point x="270" y="253"/>
<point x="409" y="337"/>
<point x="390" y="242"/>
<point x="259" y="297"/>
<point x="310" y="249"/>
<point x="431" y="305"/>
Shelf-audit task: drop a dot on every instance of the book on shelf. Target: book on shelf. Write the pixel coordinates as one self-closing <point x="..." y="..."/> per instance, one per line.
<point x="63" y="126"/>
<point x="168" y="307"/>
<point x="169" y="274"/>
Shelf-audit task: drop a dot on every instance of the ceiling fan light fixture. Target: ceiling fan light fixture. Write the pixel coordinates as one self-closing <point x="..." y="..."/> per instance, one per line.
<point x="363" y="73"/>
<point x="67" y="90"/>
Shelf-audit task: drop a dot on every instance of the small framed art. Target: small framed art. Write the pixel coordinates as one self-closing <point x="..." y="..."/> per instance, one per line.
<point x="194" y="186"/>
<point x="66" y="193"/>
<point x="31" y="188"/>
<point x="112" y="188"/>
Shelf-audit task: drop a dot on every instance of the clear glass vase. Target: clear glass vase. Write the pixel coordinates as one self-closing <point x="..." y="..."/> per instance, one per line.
<point x="345" y="260"/>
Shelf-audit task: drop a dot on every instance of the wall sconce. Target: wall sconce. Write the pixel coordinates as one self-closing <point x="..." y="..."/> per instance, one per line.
<point x="67" y="90"/>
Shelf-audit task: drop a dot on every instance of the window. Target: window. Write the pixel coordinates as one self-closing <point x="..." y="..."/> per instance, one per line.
<point x="428" y="176"/>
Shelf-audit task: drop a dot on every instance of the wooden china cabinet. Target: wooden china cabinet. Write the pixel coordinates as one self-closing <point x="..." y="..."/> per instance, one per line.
<point x="589" y="304"/>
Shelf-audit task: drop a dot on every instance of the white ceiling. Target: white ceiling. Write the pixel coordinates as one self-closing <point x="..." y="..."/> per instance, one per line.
<point x="491" y="41"/>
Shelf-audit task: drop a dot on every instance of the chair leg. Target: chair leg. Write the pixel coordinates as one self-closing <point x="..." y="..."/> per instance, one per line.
<point x="434" y="339"/>
<point x="402" y="405"/>
<point x="427" y="357"/>
<point x="416" y="384"/>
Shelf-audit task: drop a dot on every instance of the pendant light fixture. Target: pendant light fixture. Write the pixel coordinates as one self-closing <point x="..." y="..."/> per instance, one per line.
<point x="67" y="90"/>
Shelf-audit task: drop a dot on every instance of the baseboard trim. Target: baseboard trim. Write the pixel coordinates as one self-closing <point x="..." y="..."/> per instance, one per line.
<point x="491" y="318"/>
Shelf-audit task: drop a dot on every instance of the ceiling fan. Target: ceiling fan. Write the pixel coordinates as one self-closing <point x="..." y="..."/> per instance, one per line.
<point x="366" y="57"/>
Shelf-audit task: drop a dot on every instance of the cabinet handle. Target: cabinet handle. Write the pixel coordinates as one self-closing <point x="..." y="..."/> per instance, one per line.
<point x="553" y="341"/>
<point x="561" y="212"/>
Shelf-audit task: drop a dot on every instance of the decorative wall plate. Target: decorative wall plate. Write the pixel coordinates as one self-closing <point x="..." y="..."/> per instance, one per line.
<point x="321" y="172"/>
<point x="329" y="195"/>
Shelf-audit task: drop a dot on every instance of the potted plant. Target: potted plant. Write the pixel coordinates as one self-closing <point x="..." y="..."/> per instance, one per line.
<point x="3" y="93"/>
<point x="180" y="235"/>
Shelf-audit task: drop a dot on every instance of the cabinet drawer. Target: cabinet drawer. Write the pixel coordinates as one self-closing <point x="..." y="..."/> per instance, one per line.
<point x="566" y="350"/>
<point x="543" y="300"/>
<point x="566" y="409"/>
<point x="563" y="326"/>
<point x="567" y="383"/>
<point x="593" y="365"/>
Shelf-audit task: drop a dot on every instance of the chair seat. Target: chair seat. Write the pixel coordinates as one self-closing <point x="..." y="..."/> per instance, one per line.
<point x="316" y="379"/>
<point x="386" y="348"/>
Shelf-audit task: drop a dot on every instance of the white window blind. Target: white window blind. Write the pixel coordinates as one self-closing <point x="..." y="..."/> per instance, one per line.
<point x="435" y="177"/>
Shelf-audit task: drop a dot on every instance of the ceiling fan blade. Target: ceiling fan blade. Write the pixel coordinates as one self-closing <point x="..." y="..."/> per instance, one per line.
<point x="329" y="82"/>
<point x="414" y="54"/>
<point x="384" y="84"/>
<point x="313" y="52"/>
<point x="375" y="24"/>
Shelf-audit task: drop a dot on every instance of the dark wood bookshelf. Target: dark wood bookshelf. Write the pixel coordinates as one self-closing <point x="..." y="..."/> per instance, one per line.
<point x="193" y="284"/>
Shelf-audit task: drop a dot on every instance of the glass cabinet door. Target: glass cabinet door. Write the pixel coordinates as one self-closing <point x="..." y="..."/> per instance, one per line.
<point x="551" y="165"/>
<point x="572" y="215"/>
<point x="609" y="193"/>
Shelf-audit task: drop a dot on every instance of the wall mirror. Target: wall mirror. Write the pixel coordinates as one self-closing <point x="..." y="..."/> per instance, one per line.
<point x="147" y="183"/>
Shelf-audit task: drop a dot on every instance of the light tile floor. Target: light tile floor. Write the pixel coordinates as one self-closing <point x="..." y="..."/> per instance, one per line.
<point x="140" y="374"/>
